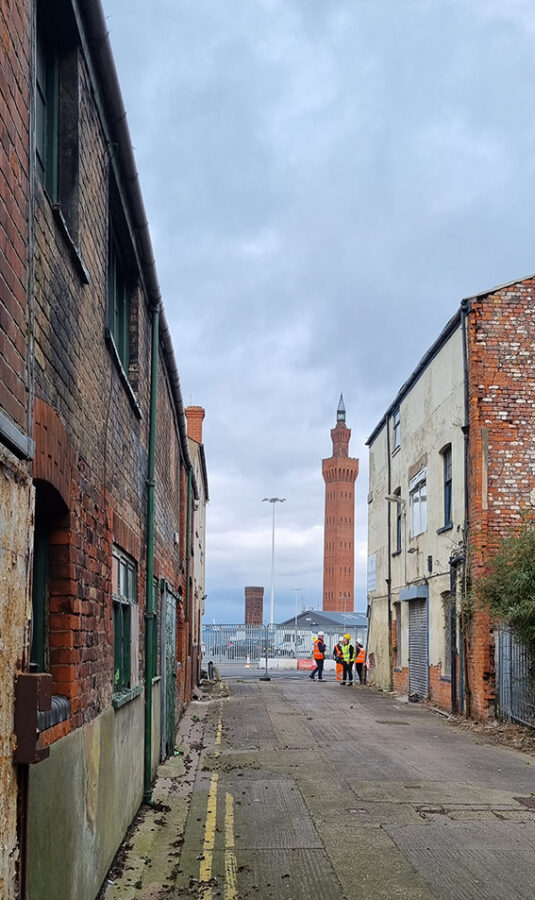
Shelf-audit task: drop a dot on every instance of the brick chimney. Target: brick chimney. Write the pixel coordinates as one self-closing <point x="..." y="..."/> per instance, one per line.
<point x="194" y="416"/>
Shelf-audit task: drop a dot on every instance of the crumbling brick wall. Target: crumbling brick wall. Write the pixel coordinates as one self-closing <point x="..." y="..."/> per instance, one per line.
<point x="501" y="376"/>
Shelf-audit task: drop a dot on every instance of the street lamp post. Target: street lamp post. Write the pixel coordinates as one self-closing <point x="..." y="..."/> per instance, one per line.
<point x="273" y="501"/>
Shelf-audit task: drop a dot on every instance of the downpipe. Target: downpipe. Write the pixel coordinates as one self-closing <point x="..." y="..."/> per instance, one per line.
<point x="149" y="569"/>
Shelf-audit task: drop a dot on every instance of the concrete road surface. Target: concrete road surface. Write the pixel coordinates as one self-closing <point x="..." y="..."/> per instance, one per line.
<point x="295" y="790"/>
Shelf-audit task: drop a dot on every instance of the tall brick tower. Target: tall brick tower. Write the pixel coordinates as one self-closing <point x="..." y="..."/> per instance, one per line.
<point x="339" y="473"/>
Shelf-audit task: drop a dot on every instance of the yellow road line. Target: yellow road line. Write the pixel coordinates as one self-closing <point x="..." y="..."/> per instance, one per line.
<point x="219" y="731"/>
<point x="231" y="888"/>
<point x="205" y="869"/>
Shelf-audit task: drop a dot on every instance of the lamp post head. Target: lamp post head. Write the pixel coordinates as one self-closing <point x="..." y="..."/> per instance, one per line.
<point x="274" y="500"/>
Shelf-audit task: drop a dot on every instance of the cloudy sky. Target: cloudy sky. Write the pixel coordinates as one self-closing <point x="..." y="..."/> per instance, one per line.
<point x="325" y="180"/>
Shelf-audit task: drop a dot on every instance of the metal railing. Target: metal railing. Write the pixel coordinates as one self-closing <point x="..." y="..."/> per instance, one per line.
<point x="515" y="679"/>
<point x="228" y="644"/>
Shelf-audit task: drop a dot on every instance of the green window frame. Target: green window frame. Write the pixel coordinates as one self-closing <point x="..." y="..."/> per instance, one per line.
<point x="124" y="592"/>
<point x="118" y="303"/>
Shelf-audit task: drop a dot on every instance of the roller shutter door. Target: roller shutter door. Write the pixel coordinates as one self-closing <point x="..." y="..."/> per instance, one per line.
<point x="418" y="667"/>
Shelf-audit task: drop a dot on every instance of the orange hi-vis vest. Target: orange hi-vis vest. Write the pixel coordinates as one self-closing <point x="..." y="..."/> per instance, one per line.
<point x="361" y="655"/>
<point x="317" y="652"/>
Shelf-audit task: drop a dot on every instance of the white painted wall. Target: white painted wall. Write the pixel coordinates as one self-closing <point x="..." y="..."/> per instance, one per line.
<point x="432" y="415"/>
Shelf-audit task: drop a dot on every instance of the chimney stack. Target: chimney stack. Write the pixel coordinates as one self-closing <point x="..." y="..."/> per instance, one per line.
<point x="194" y="416"/>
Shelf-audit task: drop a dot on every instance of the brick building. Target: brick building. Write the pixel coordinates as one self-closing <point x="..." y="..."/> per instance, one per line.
<point x="254" y="605"/>
<point x="195" y="416"/>
<point x="95" y="465"/>
<point x="339" y="473"/>
<point x="452" y="465"/>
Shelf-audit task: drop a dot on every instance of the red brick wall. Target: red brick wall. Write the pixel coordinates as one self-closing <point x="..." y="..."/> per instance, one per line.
<point x="14" y="207"/>
<point x="501" y="335"/>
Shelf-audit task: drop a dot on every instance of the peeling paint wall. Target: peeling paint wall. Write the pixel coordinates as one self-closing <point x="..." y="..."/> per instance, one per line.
<point x="16" y="526"/>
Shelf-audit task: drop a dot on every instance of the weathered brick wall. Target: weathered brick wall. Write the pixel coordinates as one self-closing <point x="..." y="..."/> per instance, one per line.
<point x="14" y="206"/>
<point x="97" y="427"/>
<point x="16" y="492"/>
<point x="501" y="335"/>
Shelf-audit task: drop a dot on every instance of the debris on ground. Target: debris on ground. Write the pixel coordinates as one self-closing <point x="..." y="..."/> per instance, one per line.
<point x="517" y="737"/>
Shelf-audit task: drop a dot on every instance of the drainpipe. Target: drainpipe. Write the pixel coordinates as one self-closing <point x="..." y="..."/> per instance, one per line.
<point x="188" y="579"/>
<point x="389" y="555"/>
<point x="149" y="592"/>
<point x="188" y="543"/>
<point x="465" y="692"/>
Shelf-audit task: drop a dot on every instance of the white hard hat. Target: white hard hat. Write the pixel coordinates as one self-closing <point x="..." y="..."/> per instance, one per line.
<point x="341" y="638"/>
<point x="322" y="633"/>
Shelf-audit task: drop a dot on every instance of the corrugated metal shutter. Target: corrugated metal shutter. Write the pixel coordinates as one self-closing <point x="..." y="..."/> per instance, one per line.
<point x="418" y="669"/>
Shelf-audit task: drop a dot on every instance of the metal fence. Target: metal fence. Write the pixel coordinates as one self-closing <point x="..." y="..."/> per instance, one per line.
<point x="515" y="679"/>
<point x="251" y="643"/>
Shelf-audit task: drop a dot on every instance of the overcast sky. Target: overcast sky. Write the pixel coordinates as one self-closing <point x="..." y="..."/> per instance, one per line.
<point x="325" y="180"/>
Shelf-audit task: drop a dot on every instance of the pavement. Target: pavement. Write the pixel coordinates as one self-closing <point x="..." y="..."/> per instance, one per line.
<point x="291" y="789"/>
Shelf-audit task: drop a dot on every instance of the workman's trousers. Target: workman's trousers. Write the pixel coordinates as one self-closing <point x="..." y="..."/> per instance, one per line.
<point x="318" y="669"/>
<point x="348" y="673"/>
<point x="358" y="667"/>
<point x="339" y="670"/>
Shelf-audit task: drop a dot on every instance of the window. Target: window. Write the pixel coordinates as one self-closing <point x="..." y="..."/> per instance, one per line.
<point x="125" y="620"/>
<point x="396" y="426"/>
<point x="418" y="501"/>
<point x="57" y="107"/>
<point x="118" y="304"/>
<point x="399" y="515"/>
<point x="122" y="311"/>
<point x="446" y="456"/>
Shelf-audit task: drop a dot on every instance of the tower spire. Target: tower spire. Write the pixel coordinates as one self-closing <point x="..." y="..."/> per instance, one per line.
<point x="341" y="411"/>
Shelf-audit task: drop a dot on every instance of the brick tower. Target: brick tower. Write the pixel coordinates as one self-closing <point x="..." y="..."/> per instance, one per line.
<point x="254" y="605"/>
<point x="339" y="473"/>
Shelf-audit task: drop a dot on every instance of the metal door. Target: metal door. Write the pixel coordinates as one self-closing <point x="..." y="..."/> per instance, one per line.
<point x="418" y="662"/>
<point x="168" y="645"/>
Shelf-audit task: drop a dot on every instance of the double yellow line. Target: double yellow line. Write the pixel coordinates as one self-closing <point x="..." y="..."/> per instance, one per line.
<point x="205" y="870"/>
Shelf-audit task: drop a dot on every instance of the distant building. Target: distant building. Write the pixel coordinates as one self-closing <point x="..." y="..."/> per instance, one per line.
<point x="339" y="473"/>
<point x="195" y="417"/>
<point x="332" y="623"/>
<point x="254" y="605"/>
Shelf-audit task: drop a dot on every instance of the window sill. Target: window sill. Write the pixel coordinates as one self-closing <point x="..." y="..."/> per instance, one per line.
<point x="446" y="678"/>
<point x="397" y="669"/>
<point x="74" y="250"/>
<point x="396" y="450"/>
<point x="124" y="377"/>
<point x="156" y="679"/>
<point x="59" y="712"/>
<point x="124" y="697"/>
<point x="444" y="528"/>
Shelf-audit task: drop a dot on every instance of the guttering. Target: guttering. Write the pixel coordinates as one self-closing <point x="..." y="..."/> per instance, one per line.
<point x="101" y="54"/>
